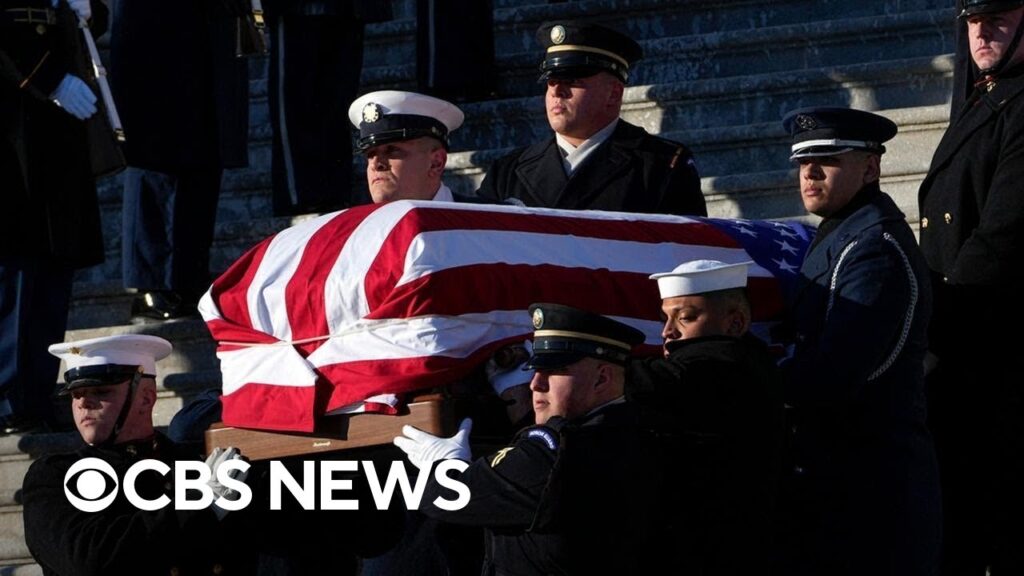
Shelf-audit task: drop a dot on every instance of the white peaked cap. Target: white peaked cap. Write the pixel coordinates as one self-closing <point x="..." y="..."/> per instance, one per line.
<point x="385" y="103"/>
<point x="701" y="276"/>
<point x="124" y="349"/>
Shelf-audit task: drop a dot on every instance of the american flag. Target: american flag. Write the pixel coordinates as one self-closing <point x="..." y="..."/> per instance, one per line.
<point x="348" y="311"/>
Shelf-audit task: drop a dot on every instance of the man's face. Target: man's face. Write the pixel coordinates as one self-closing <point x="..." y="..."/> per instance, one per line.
<point x="828" y="183"/>
<point x="579" y="107"/>
<point x="990" y="36"/>
<point x="406" y="170"/>
<point x="692" y="317"/>
<point x="568" y="392"/>
<point x="96" y="409"/>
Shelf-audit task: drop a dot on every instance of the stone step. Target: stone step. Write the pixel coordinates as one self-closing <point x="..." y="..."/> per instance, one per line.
<point x="12" y="534"/>
<point x="392" y="43"/>
<point x="20" y="567"/>
<point x="792" y="46"/>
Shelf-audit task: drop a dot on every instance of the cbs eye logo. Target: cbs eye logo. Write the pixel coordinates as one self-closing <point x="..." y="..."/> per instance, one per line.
<point x="90" y="485"/>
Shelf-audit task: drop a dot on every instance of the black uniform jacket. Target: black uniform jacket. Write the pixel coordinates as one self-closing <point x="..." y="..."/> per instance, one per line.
<point x="716" y="405"/>
<point x="972" y="220"/>
<point x="563" y="498"/>
<point x="122" y="540"/>
<point x="632" y="171"/>
<point x="50" y="207"/>
<point x="182" y="94"/>
<point x="866" y="463"/>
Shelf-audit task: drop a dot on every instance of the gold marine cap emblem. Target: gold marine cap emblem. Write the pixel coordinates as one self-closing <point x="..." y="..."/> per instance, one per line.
<point x="538" y="319"/>
<point x="806" y="122"/>
<point x="557" y="34"/>
<point x="371" y="112"/>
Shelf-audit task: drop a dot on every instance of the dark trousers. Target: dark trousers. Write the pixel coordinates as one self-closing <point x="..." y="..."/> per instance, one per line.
<point x="168" y="229"/>
<point x="34" y="297"/>
<point x="315" y="64"/>
<point x="455" y="49"/>
<point x="976" y="416"/>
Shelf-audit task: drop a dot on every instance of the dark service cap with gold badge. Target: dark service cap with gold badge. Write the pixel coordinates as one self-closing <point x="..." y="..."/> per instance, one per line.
<point x="972" y="7"/>
<point x="827" y="131"/>
<point x="580" y="49"/>
<point x="563" y="335"/>
<point x="394" y="115"/>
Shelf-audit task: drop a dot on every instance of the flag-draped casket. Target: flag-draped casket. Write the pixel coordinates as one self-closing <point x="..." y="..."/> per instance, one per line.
<point x="347" y="311"/>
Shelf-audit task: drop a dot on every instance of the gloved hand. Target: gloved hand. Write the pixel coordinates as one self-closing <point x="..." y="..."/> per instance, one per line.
<point x="81" y="7"/>
<point x="75" y="96"/>
<point x="505" y="369"/>
<point x="424" y="448"/>
<point x="214" y="460"/>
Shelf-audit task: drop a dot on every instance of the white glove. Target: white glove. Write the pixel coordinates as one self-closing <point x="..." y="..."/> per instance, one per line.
<point x="505" y="369"/>
<point x="424" y="448"/>
<point x="214" y="460"/>
<point x="81" y="7"/>
<point x="75" y="96"/>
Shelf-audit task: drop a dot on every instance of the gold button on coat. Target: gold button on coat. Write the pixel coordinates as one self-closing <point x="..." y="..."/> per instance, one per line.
<point x="948" y="217"/>
<point x="924" y="222"/>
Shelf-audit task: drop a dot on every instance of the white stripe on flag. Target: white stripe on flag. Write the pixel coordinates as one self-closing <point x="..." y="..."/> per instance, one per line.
<point x="280" y="365"/>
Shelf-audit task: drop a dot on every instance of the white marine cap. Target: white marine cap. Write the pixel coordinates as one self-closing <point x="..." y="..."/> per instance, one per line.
<point x="96" y="360"/>
<point x="393" y="115"/>
<point x="701" y="276"/>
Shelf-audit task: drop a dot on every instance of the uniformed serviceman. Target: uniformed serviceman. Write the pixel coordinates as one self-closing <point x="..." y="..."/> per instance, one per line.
<point x="404" y="138"/>
<point x="865" y="477"/>
<point x="575" y="493"/>
<point x="594" y="160"/>
<point x="715" y="403"/>
<point x="972" y="235"/>
<point x="50" y="223"/>
<point x="111" y="381"/>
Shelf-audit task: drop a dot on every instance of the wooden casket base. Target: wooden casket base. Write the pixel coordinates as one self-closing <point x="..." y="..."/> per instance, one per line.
<point x="428" y="413"/>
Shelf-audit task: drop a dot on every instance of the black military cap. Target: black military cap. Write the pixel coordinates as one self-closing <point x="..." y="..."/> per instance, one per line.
<point x="580" y="49"/>
<point x="563" y="335"/>
<point x="394" y="115"/>
<point x="972" y="7"/>
<point x="824" y="131"/>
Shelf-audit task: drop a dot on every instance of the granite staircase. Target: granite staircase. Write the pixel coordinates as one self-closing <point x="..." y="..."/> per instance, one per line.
<point x="717" y="75"/>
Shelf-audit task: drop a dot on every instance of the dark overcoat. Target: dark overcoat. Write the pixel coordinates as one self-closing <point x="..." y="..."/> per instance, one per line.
<point x="122" y="539"/>
<point x="563" y="498"/>
<point x="182" y="94"/>
<point x="972" y="235"/>
<point x="865" y="473"/>
<point x="632" y="171"/>
<point x="50" y="207"/>
<point x="716" y="405"/>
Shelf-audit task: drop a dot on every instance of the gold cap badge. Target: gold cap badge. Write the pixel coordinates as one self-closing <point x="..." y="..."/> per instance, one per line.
<point x="538" y="319"/>
<point x="371" y="112"/>
<point x="557" y="34"/>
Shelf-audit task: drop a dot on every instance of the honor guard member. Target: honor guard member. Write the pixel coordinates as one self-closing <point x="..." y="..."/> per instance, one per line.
<point x="595" y="160"/>
<point x="50" y="224"/>
<point x="715" y="403"/>
<point x="404" y="138"/>
<point x="865" y="478"/>
<point x="574" y="493"/>
<point x="972" y="235"/>
<point x="111" y="382"/>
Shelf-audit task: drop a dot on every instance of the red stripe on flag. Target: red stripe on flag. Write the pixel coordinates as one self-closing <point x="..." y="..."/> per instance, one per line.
<point x="501" y="287"/>
<point x="229" y="292"/>
<point x="304" y="295"/>
<point x="270" y="407"/>
<point x="388" y="267"/>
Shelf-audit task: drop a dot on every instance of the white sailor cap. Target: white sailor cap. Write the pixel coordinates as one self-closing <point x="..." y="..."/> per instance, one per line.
<point x="701" y="276"/>
<point x="393" y="115"/>
<point x="109" y="359"/>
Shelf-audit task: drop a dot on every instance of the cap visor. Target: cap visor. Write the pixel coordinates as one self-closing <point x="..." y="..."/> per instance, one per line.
<point x="553" y="360"/>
